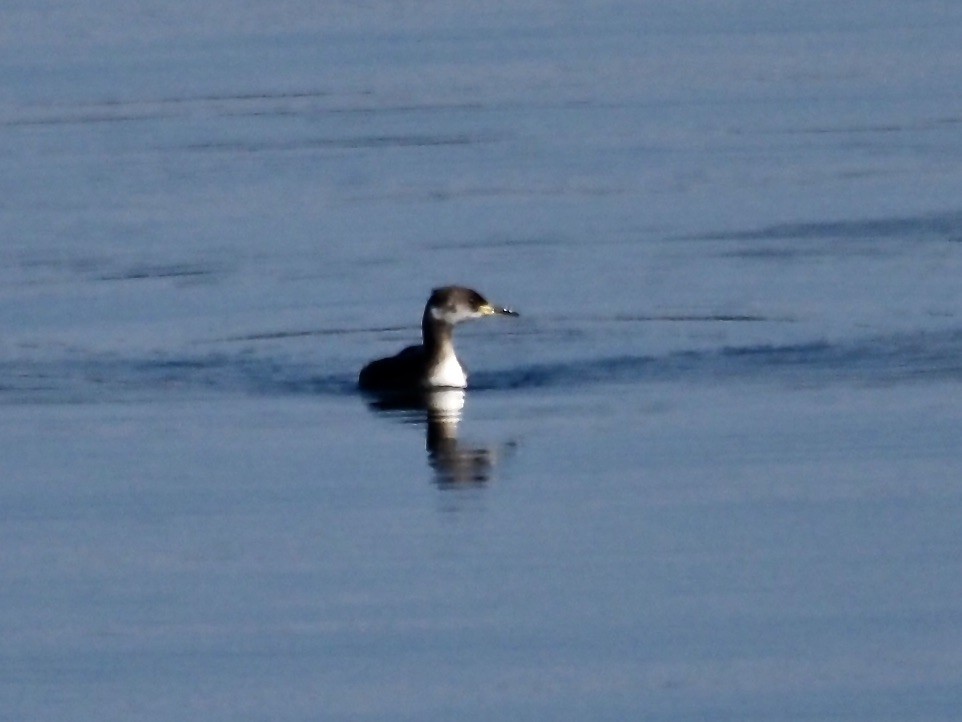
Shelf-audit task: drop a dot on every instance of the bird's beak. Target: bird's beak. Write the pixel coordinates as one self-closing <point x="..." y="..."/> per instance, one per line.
<point x="489" y="310"/>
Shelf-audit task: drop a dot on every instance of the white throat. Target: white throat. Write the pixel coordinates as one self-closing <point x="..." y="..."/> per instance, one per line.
<point x="448" y="374"/>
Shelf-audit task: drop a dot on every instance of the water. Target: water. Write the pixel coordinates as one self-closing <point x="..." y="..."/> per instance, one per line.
<point x="712" y="471"/>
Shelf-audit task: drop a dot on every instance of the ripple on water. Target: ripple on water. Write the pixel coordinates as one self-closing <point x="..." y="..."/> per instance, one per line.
<point x="890" y="359"/>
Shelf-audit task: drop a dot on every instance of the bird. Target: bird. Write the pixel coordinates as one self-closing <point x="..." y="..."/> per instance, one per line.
<point x="432" y="364"/>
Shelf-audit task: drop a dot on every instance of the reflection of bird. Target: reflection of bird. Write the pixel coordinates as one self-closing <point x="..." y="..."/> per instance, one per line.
<point x="456" y="465"/>
<point x="432" y="364"/>
<point x="453" y="463"/>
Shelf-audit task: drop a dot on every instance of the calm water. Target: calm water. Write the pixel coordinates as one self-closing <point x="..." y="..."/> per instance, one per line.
<point x="712" y="472"/>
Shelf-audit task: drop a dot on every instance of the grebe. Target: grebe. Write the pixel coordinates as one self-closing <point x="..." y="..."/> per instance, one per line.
<point x="432" y="364"/>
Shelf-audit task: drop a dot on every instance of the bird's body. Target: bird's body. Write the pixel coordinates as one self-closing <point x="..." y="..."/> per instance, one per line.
<point x="433" y="364"/>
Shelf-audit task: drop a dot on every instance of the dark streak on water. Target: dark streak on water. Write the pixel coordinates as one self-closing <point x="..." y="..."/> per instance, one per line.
<point x="348" y="143"/>
<point x="139" y="273"/>
<point x="946" y="226"/>
<point x="306" y="333"/>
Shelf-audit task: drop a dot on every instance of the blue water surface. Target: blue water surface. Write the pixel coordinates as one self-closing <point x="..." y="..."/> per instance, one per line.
<point x="711" y="472"/>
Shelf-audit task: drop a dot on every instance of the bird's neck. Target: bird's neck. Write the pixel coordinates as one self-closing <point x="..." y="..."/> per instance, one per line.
<point x="438" y="336"/>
